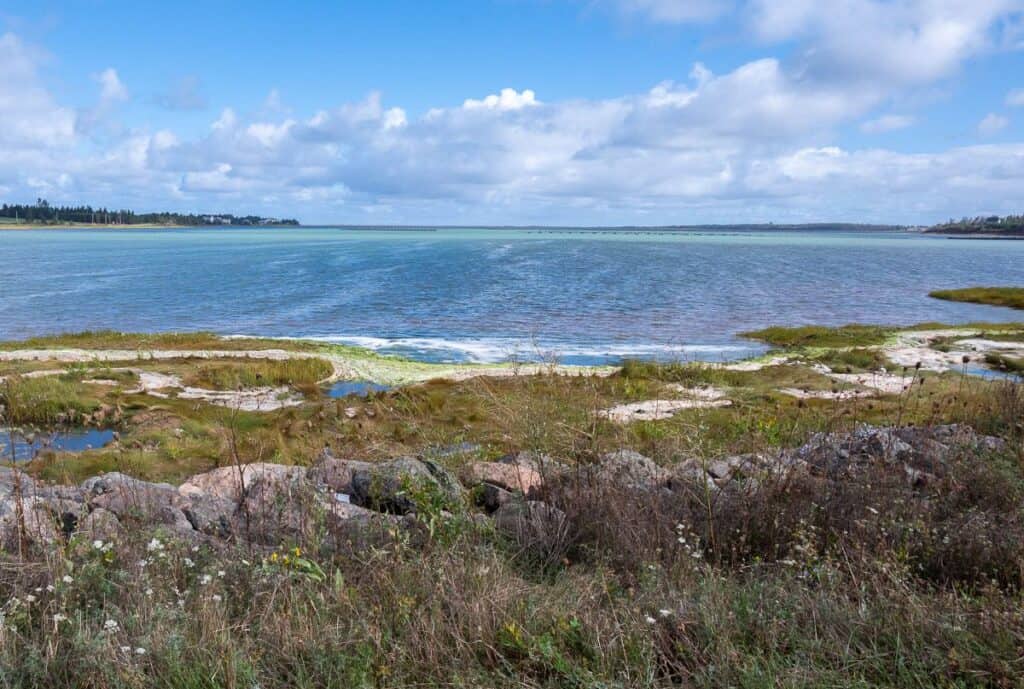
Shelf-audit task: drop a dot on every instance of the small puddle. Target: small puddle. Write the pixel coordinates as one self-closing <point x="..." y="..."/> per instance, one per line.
<point x="27" y="446"/>
<point x="991" y="374"/>
<point x="362" y="388"/>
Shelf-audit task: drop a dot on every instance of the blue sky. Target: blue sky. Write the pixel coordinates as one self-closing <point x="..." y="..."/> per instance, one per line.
<point x="519" y="111"/>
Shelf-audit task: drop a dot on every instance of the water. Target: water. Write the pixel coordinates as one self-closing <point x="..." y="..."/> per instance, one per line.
<point x="75" y="440"/>
<point x="488" y="295"/>
<point x="361" y="388"/>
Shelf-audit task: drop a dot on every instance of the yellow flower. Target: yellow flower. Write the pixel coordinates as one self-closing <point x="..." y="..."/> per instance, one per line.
<point x="273" y="557"/>
<point x="297" y="551"/>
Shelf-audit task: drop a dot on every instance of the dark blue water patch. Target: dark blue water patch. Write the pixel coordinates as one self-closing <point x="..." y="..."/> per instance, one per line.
<point x="28" y="446"/>
<point x="360" y="388"/>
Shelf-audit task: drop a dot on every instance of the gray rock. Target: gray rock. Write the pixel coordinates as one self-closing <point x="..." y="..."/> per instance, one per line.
<point x="101" y="524"/>
<point x="391" y="486"/>
<point x="336" y="473"/>
<point x="128" y="497"/>
<point x="530" y="521"/>
<point x="629" y="469"/>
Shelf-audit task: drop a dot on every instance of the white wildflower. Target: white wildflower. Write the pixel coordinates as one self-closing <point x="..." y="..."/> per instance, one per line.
<point x="189" y="563"/>
<point x="149" y="592"/>
<point x="140" y="651"/>
<point x="664" y="612"/>
<point x="649" y="620"/>
<point x="125" y="649"/>
<point x="67" y="579"/>
<point x="154" y="545"/>
<point x="58" y="617"/>
<point x="97" y="544"/>
<point x="111" y="626"/>
<point x="216" y="598"/>
<point x="50" y="588"/>
<point x="221" y="573"/>
<point x="205" y="579"/>
<point x="30" y="598"/>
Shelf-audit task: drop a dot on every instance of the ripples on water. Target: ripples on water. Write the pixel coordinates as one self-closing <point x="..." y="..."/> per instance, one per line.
<point x="484" y="295"/>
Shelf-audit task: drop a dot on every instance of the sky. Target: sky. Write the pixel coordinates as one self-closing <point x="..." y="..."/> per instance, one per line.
<point x="518" y="112"/>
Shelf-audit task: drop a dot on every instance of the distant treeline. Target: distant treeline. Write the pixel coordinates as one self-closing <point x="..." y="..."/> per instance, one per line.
<point x="43" y="213"/>
<point x="992" y="224"/>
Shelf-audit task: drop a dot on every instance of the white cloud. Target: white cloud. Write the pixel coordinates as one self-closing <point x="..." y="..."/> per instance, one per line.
<point x="886" y="123"/>
<point x="507" y="99"/>
<point x="29" y="115"/>
<point x="992" y="124"/>
<point x="1015" y="98"/>
<point x="112" y="89"/>
<point x="755" y="143"/>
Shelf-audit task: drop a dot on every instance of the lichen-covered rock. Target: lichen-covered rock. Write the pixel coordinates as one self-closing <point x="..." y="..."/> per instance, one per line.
<point x="530" y="521"/>
<point x="128" y="497"/>
<point x="629" y="469"/>
<point x="396" y="486"/>
<point x="336" y="473"/>
<point x="26" y="521"/>
<point x="101" y="524"/>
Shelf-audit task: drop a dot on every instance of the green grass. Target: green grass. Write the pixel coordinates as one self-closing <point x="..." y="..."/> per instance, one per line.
<point x="45" y="400"/>
<point x="232" y="375"/>
<point x="112" y="339"/>
<point x="1012" y="297"/>
<point x="852" y="335"/>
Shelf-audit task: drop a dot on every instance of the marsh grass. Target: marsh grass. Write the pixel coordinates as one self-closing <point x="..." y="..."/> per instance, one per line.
<point x="853" y="335"/>
<point x="255" y="373"/>
<point x="45" y="400"/>
<point x="1012" y="297"/>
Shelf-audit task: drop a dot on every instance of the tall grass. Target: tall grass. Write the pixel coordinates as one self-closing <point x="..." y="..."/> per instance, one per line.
<point x="260" y="373"/>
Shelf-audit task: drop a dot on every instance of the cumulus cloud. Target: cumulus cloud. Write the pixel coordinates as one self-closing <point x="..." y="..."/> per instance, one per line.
<point x="29" y="115"/>
<point x="1015" y="98"/>
<point x="886" y="123"/>
<point x="992" y="124"/>
<point x="112" y="89"/>
<point x="507" y="99"/>
<point x="757" y="142"/>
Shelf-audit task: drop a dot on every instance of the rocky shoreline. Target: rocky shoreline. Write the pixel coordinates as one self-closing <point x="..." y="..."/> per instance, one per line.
<point x="266" y="504"/>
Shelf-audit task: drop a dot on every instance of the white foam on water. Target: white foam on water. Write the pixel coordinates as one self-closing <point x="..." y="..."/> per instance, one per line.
<point x="494" y="350"/>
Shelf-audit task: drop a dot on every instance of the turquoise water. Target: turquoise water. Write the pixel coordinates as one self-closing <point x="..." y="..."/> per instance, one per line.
<point x="487" y="295"/>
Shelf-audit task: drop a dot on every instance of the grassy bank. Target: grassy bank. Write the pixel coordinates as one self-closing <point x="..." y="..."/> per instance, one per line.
<point x="1012" y="297"/>
<point x="860" y="580"/>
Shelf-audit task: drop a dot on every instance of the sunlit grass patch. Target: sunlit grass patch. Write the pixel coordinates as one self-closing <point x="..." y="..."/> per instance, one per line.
<point x="1012" y="297"/>
<point x="44" y="400"/>
<point x="853" y="335"/>
<point x="254" y="373"/>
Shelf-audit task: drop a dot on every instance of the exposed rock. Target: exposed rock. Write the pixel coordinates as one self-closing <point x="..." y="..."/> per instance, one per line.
<point x="26" y="520"/>
<point x="101" y="524"/>
<point x="230" y="482"/>
<point x="629" y="468"/>
<point x="530" y="521"/>
<point x="512" y="477"/>
<point x="493" y="497"/>
<point x="128" y="497"/>
<point x="657" y="410"/>
<point x="336" y="473"/>
<point x="390" y="486"/>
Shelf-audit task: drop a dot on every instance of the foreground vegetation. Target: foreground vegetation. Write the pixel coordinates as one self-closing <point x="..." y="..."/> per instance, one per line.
<point x="859" y="579"/>
<point x="993" y="296"/>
